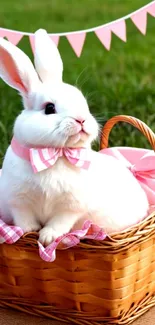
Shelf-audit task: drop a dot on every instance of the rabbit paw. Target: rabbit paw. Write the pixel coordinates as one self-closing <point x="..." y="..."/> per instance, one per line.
<point x="47" y="235"/>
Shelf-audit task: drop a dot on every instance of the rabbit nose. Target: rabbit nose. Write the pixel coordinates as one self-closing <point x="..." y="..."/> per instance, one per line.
<point x="80" y="120"/>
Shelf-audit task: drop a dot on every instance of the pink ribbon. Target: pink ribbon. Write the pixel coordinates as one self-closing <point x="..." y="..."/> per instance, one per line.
<point x="43" y="158"/>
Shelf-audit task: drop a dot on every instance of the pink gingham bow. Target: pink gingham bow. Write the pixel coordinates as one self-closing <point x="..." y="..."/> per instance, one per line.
<point x="43" y="158"/>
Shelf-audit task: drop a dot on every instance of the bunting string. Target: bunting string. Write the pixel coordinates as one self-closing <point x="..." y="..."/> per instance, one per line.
<point x="103" y="32"/>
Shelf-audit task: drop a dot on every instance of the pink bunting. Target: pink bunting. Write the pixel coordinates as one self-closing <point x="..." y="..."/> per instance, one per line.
<point x="31" y="38"/>
<point x="104" y="35"/>
<point x="77" y="41"/>
<point x="12" y="36"/>
<point x="119" y="29"/>
<point x="140" y="20"/>
<point x="55" y="39"/>
<point x="151" y="9"/>
<point x="2" y="32"/>
<point x="104" y="32"/>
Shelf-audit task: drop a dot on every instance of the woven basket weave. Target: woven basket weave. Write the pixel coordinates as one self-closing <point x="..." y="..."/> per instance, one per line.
<point x="108" y="282"/>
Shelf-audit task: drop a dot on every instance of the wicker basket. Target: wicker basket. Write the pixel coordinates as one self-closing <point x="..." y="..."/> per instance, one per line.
<point x="108" y="282"/>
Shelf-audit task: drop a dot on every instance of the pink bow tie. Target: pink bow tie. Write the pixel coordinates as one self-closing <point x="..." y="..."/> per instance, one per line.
<point x="43" y="158"/>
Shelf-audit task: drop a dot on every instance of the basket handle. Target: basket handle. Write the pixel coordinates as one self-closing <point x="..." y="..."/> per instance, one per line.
<point x="131" y="120"/>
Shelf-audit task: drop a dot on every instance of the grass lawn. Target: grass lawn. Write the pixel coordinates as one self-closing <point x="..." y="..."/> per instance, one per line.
<point x="121" y="81"/>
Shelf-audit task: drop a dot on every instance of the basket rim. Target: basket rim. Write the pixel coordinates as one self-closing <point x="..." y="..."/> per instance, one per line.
<point x="117" y="242"/>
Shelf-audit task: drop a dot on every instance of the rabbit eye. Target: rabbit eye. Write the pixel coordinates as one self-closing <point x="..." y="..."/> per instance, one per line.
<point x="50" y="108"/>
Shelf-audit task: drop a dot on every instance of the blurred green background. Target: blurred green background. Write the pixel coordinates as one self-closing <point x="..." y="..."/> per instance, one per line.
<point x="120" y="81"/>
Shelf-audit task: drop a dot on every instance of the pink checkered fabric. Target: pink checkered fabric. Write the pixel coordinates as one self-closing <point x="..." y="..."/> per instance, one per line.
<point x="10" y="234"/>
<point x="89" y="231"/>
<point x="43" y="158"/>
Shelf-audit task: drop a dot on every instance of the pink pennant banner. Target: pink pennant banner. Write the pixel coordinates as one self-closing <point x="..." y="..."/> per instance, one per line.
<point x="119" y="29"/>
<point x="77" y="41"/>
<point x="13" y="37"/>
<point x="103" y="32"/>
<point x="151" y="9"/>
<point x="55" y="39"/>
<point x="140" y="20"/>
<point x="2" y="32"/>
<point x="104" y="35"/>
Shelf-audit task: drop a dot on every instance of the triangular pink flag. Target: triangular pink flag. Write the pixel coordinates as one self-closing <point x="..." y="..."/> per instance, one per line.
<point x="2" y="32"/>
<point x="140" y="20"/>
<point x="104" y="35"/>
<point x="13" y="36"/>
<point x="55" y="39"/>
<point x="119" y="29"/>
<point x="31" y="38"/>
<point x="151" y="9"/>
<point x="77" y="41"/>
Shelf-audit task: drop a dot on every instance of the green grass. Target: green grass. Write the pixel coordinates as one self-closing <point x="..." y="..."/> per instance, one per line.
<point x="121" y="81"/>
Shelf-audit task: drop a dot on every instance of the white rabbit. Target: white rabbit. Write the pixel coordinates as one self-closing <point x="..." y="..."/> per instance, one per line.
<point x="60" y="198"/>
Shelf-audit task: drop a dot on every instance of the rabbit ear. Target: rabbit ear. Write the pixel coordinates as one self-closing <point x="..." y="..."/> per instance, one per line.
<point x="48" y="62"/>
<point x="16" y="69"/>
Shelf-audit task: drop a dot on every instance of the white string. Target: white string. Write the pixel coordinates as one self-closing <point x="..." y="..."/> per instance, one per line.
<point x="89" y="29"/>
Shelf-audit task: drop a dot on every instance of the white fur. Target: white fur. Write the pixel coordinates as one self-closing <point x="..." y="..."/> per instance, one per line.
<point x="46" y="53"/>
<point x="62" y="197"/>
